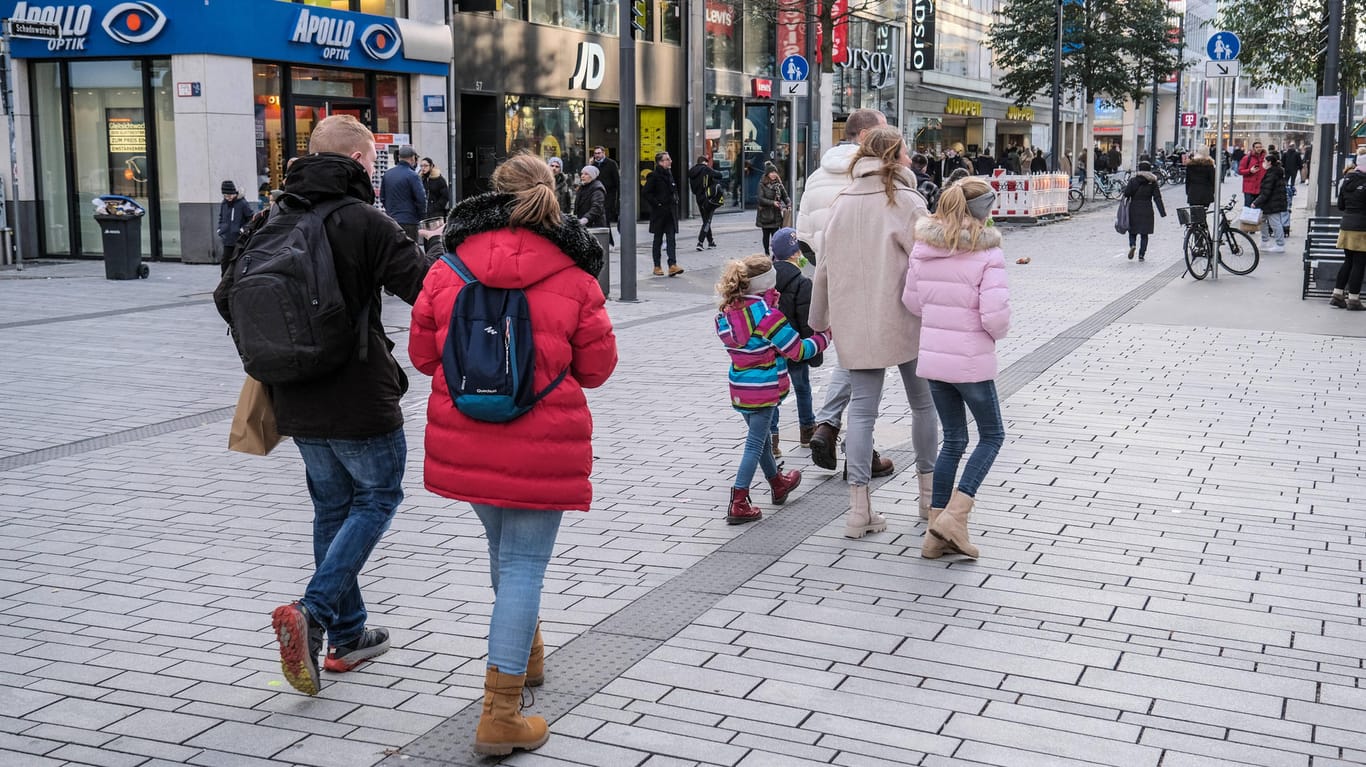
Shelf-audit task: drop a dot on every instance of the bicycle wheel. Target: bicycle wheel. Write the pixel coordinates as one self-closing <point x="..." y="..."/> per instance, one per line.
<point x="1075" y="200"/>
<point x="1239" y="254"/>
<point x="1197" y="247"/>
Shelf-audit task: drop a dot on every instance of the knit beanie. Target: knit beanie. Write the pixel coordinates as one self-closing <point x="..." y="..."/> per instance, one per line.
<point x="591" y="171"/>
<point x="784" y="244"/>
<point x="229" y="187"/>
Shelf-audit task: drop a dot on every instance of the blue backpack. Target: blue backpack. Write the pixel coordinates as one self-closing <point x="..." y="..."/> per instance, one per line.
<point x="489" y="357"/>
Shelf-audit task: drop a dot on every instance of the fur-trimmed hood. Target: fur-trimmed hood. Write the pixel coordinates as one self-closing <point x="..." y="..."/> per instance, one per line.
<point x="513" y="260"/>
<point x="1151" y="178"/>
<point x="930" y="231"/>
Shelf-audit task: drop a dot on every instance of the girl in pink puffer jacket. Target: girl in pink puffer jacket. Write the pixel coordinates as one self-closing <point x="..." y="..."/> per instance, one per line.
<point x="956" y="284"/>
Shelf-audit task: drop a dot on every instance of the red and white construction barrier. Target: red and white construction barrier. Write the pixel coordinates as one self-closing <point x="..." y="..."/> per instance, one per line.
<point x="1029" y="197"/>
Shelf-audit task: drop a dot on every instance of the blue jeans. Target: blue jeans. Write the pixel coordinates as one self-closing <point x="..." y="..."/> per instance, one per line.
<point x="949" y="399"/>
<point x="356" y="484"/>
<point x="520" y="544"/>
<point x="800" y="373"/>
<point x="758" y="446"/>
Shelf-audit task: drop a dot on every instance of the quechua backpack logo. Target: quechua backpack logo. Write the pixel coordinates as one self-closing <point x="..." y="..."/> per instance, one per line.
<point x="489" y="358"/>
<point x="289" y="318"/>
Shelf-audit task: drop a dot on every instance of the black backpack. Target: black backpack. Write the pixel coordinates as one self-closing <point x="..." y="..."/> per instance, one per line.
<point x="289" y="318"/>
<point x="716" y="193"/>
<point x="489" y="358"/>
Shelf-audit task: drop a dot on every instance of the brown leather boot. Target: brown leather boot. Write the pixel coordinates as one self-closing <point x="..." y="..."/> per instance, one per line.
<point x="881" y="466"/>
<point x="823" y="446"/>
<point x="862" y="519"/>
<point x="740" y="511"/>
<point x="502" y="727"/>
<point x="805" y="438"/>
<point x="535" y="663"/>
<point x="776" y="452"/>
<point x="783" y="483"/>
<point x="926" y="479"/>
<point x="932" y="547"/>
<point x="951" y="526"/>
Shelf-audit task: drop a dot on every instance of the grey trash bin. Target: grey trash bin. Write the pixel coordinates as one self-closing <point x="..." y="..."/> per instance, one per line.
<point x="604" y="235"/>
<point x="121" y="228"/>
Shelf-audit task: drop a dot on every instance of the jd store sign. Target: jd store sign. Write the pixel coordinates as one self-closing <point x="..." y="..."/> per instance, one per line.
<point x="268" y="30"/>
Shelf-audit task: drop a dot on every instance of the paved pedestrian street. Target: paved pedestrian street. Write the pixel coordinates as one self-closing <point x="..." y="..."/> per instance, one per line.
<point x="1171" y="570"/>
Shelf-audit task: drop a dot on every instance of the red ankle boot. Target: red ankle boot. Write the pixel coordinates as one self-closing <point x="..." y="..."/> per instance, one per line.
<point x="783" y="483"/>
<point x="740" y="511"/>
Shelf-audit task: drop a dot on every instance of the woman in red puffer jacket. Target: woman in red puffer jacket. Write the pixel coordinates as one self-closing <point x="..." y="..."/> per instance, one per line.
<point x="521" y="475"/>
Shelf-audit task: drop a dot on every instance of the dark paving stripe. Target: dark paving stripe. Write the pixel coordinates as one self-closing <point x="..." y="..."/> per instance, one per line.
<point x="99" y="315"/>
<point x="115" y="439"/>
<point x="593" y="659"/>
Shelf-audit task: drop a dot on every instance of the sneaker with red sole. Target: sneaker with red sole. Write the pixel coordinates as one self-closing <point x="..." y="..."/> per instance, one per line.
<point x="301" y="640"/>
<point x="371" y="644"/>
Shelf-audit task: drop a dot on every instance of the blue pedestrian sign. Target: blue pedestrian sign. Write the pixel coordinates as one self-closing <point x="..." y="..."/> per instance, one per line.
<point x="795" y="69"/>
<point x="1223" y="46"/>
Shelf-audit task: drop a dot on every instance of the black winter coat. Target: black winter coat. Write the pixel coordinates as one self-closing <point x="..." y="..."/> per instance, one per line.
<point x="1200" y="183"/>
<point x="438" y="195"/>
<point x="590" y="202"/>
<point x="1271" y="197"/>
<point x="698" y="176"/>
<point x="232" y="216"/>
<point x="794" y="301"/>
<point x="1142" y="192"/>
<point x="661" y="195"/>
<point x="361" y="399"/>
<point x="772" y="200"/>
<point x="1352" y="202"/>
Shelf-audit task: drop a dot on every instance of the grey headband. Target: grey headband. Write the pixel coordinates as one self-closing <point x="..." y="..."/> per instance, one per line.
<point x="980" y="206"/>
<point x="764" y="281"/>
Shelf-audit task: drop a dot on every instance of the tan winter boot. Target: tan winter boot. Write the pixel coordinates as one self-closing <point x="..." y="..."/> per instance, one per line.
<point x="932" y="547"/>
<point x="926" y="492"/>
<point x="535" y="663"/>
<point x="502" y="727"/>
<point x="951" y="526"/>
<point x="862" y="519"/>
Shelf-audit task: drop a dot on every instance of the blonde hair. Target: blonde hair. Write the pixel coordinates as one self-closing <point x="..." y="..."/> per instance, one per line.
<point x="953" y="214"/>
<point x="528" y="179"/>
<point x="885" y="144"/>
<point x="735" y="276"/>
<point x="340" y="134"/>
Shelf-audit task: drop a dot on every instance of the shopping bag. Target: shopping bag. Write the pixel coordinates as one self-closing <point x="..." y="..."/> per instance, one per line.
<point x="253" y="424"/>
<point x="1122" y="217"/>
<point x="1249" y="219"/>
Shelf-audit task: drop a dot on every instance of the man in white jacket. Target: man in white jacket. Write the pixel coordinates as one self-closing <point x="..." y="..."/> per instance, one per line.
<point x="822" y="187"/>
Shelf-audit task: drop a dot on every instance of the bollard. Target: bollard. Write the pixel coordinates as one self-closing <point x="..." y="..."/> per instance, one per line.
<point x="604" y="235"/>
<point x="6" y="247"/>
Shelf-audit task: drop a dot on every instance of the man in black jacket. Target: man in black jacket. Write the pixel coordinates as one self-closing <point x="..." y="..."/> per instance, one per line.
<point x="347" y="423"/>
<point x="705" y="182"/>
<point x="610" y="176"/>
<point x="661" y="195"/>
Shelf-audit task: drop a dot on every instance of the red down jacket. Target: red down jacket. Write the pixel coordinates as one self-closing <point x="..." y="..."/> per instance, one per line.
<point x="543" y="459"/>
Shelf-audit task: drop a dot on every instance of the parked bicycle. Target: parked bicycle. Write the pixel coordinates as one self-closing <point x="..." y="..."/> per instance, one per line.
<point x="1076" y="197"/>
<point x="1109" y="185"/>
<point x="1238" y="252"/>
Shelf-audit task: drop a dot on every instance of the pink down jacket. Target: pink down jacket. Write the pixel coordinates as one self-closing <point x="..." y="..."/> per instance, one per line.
<point x="961" y="297"/>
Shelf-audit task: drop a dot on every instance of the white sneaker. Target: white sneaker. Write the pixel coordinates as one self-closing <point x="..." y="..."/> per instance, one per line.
<point x="1274" y="249"/>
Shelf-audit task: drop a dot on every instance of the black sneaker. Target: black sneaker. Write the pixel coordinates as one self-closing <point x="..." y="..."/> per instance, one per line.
<point x="301" y="639"/>
<point x="371" y="644"/>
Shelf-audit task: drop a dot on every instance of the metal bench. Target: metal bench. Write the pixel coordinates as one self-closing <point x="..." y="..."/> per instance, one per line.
<point x="1322" y="256"/>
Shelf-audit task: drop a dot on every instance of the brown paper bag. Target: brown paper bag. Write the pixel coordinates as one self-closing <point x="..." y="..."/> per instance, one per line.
<point x="253" y="425"/>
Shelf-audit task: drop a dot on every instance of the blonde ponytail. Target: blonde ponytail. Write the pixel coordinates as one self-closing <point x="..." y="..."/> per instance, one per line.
<point x="528" y="179"/>
<point x="735" y="276"/>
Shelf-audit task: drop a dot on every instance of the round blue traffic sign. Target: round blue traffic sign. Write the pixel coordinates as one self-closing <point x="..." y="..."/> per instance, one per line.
<point x="1223" y="46"/>
<point x="795" y="69"/>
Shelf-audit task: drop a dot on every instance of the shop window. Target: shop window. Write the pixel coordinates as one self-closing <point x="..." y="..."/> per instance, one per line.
<point x="761" y="41"/>
<point x="671" y="21"/>
<point x="336" y="83"/>
<point x="377" y="7"/>
<point x="270" y="127"/>
<point x="111" y="157"/>
<point x="54" y="197"/>
<point x="547" y="128"/>
<point x="598" y="16"/>
<point x="391" y="103"/>
<point x="725" y="141"/>
<point x="168" y="188"/>
<point x="722" y="25"/>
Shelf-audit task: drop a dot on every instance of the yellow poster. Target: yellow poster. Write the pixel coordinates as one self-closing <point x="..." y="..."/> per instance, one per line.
<point x="651" y="133"/>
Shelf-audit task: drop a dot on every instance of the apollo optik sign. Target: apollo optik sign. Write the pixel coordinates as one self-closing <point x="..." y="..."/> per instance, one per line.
<point x="267" y="30"/>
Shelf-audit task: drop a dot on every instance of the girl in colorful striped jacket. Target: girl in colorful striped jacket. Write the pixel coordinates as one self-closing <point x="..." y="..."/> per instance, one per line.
<point x="760" y="341"/>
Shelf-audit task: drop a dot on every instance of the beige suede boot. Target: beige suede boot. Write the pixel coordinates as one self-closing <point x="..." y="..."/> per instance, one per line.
<point x="951" y="526"/>
<point x="862" y="519"/>
<point x="535" y="663"/>
<point x="926" y="492"/>
<point x="502" y="727"/>
<point x="932" y="547"/>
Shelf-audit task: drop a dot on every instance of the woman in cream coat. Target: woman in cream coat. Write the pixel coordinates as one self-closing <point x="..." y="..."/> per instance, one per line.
<point x="857" y="296"/>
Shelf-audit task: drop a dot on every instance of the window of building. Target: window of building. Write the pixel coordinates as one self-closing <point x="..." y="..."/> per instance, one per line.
<point x="547" y="128"/>
<point x="54" y="198"/>
<point x="761" y="41"/>
<point x="377" y="7"/>
<point x="270" y="127"/>
<point x="722" y="26"/>
<point x="598" y="16"/>
<point x="671" y="21"/>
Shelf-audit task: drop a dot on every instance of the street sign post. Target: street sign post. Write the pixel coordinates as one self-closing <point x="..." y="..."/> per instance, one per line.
<point x="1231" y="68"/>
<point x="795" y="69"/>
<point x="33" y="30"/>
<point x="1223" y="46"/>
<point x="792" y="90"/>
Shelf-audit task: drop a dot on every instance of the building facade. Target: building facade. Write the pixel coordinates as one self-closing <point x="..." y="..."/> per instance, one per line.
<point x="164" y="101"/>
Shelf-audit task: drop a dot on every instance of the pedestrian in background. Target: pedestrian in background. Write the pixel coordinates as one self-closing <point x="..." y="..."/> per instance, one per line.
<point x="564" y="186"/>
<point x="661" y="195"/>
<point x="1273" y="202"/>
<point x="528" y="471"/>
<point x="1293" y="162"/>
<point x="856" y="294"/>
<point x="1352" y="238"/>
<point x="401" y="192"/>
<point x="794" y="301"/>
<point x="1307" y="155"/>
<point x="1141" y="193"/>
<point x="1038" y="164"/>
<point x="956" y="284"/>
<point x="760" y="342"/>
<point x="610" y="176"/>
<point x="1252" y="166"/>
<point x="773" y="201"/>
<point x="705" y="182"/>
<point x="590" y="201"/>
<point x="436" y="186"/>
<point x="1200" y="180"/>
<point x="233" y="214"/>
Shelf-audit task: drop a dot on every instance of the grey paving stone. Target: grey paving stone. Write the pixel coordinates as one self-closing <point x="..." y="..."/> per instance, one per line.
<point x="162" y="726"/>
<point x="248" y="739"/>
